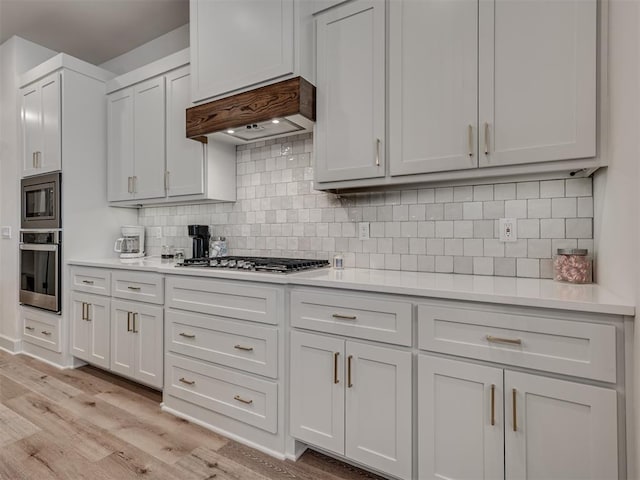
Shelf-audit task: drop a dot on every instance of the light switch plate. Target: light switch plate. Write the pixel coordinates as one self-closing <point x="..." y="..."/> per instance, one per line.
<point x="6" y="232"/>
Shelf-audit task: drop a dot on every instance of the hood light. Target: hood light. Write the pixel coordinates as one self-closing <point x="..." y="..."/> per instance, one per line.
<point x="231" y="132"/>
<point x="276" y="121"/>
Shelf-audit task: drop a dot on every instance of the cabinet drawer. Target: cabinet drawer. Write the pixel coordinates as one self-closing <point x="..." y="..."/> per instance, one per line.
<point x="91" y="280"/>
<point x="140" y="286"/>
<point x="242" y="300"/>
<point x="236" y="395"/>
<point x="235" y="344"/>
<point x="41" y="329"/>
<point x="543" y="343"/>
<point x="352" y="315"/>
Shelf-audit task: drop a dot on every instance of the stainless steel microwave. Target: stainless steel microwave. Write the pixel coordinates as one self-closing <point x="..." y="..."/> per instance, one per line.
<point x="41" y="201"/>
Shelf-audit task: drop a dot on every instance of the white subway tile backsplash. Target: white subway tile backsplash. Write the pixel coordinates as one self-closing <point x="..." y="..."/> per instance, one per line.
<point x="444" y="229"/>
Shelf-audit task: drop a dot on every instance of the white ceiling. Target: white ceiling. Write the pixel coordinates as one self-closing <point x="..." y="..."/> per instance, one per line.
<point x="92" y="30"/>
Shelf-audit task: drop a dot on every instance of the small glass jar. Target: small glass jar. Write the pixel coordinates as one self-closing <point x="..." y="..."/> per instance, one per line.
<point x="338" y="262"/>
<point x="167" y="252"/>
<point x="179" y="256"/>
<point x="573" y="265"/>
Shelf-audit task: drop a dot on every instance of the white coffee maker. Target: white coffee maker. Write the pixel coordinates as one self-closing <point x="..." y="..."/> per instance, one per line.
<point x="131" y="244"/>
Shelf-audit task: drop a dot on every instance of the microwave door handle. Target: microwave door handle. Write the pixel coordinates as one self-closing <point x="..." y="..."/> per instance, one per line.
<point x="39" y="247"/>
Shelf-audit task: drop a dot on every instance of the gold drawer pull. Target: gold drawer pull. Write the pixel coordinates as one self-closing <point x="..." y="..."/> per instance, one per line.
<point x="344" y="317"/>
<point x="188" y="382"/>
<point x="246" y="349"/>
<point x="242" y="400"/>
<point x="31" y="329"/>
<point x="88" y="282"/>
<point x="44" y="332"/>
<point x="136" y="289"/>
<point x="187" y="335"/>
<point x="512" y="341"/>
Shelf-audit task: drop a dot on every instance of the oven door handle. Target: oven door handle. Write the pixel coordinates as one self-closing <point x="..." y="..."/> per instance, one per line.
<point x="48" y="247"/>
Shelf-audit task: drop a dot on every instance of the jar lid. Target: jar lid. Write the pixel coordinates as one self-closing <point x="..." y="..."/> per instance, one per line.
<point x="573" y="251"/>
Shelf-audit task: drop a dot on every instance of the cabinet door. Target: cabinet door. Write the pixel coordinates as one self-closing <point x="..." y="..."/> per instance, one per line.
<point x="149" y="136"/>
<point x="350" y="128"/>
<point x="123" y="339"/>
<point x="378" y="408"/>
<point x="80" y="328"/>
<point x="148" y="332"/>
<point x="537" y="79"/>
<point x="120" y="145"/>
<point x="238" y="43"/>
<point x="51" y="156"/>
<point x="185" y="157"/>
<point x="30" y="116"/>
<point x="433" y="86"/>
<point x="317" y="390"/>
<point x="562" y="429"/>
<point x="90" y="328"/>
<point x="460" y="420"/>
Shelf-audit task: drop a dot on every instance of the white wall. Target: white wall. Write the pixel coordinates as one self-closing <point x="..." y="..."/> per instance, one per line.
<point x="16" y="56"/>
<point x="616" y="191"/>
<point x="157" y="48"/>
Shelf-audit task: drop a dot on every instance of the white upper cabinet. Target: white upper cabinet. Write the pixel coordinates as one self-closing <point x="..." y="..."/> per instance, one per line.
<point x="433" y="85"/>
<point x="41" y="126"/>
<point x="149" y="133"/>
<point x="537" y="81"/>
<point x="150" y="159"/>
<point x="350" y="130"/>
<point x="239" y="43"/>
<point x="185" y="159"/>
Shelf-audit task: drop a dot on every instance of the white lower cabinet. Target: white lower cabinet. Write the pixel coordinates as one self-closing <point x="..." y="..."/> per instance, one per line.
<point x="485" y="422"/>
<point x="353" y="399"/>
<point x="90" y="328"/>
<point x="137" y="341"/>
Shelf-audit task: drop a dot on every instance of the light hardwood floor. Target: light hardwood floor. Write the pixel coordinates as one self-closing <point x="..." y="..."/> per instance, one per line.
<point x="89" y="424"/>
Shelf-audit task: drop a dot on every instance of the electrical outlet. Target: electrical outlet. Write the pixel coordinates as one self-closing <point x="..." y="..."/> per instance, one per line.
<point x="6" y="232"/>
<point x="508" y="230"/>
<point x="155" y="232"/>
<point x="363" y="231"/>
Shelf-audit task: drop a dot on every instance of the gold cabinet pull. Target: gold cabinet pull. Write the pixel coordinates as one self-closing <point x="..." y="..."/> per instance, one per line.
<point x="87" y="282"/>
<point x="135" y="289"/>
<point x="135" y="323"/>
<point x="511" y="341"/>
<point x="84" y="311"/>
<point x="188" y="382"/>
<point x="44" y="332"/>
<point x="470" y="140"/>
<point x="31" y="329"/>
<point x="246" y="349"/>
<point x="129" y="187"/>
<point x="242" y="400"/>
<point x="187" y="335"/>
<point x="335" y="367"/>
<point x="129" y="329"/>
<point x="486" y="138"/>
<point x="135" y="184"/>
<point x="377" y="152"/>
<point x="33" y="159"/>
<point x="344" y="317"/>
<point x="349" y="358"/>
<point x="493" y="404"/>
<point x="88" y="312"/>
<point x="515" y="419"/>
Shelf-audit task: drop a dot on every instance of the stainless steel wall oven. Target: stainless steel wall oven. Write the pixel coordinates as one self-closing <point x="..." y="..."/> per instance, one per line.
<point x="40" y="269"/>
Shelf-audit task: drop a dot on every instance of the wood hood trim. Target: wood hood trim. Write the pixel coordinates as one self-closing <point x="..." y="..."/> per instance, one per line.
<point x="282" y="99"/>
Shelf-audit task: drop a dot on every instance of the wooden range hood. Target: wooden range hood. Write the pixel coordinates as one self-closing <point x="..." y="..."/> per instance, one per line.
<point x="292" y="102"/>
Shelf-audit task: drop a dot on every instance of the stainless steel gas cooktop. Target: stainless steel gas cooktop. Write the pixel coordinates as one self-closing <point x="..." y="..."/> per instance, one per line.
<point x="257" y="264"/>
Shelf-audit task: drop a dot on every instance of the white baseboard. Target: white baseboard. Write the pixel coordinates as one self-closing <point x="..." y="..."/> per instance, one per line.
<point x="11" y="345"/>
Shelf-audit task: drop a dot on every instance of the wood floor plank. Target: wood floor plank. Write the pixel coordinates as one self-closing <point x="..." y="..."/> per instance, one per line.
<point x="206" y="463"/>
<point x="10" y="389"/>
<point x="14" y="426"/>
<point x="38" y="381"/>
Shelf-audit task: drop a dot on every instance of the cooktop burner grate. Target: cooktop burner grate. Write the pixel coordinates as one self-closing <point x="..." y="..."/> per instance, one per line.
<point x="258" y="264"/>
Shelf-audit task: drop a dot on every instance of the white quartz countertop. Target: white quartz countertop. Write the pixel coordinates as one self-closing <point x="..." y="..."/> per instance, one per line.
<point x="500" y="290"/>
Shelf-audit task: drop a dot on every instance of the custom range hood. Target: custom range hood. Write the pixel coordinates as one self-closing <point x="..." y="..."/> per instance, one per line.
<point x="283" y="108"/>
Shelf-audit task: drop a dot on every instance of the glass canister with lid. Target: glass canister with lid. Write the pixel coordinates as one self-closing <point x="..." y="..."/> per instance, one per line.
<point x="573" y="265"/>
